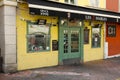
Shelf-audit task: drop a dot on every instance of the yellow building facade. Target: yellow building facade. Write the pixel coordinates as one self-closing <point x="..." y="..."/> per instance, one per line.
<point x="94" y="53"/>
<point x="29" y="60"/>
<point x="89" y="52"/>
<point x="40" y="33"/>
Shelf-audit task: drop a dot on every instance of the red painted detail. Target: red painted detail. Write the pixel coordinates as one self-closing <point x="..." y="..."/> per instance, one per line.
<point x="113" y="42"/>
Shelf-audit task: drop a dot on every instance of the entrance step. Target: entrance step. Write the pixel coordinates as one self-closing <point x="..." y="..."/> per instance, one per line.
<point x="74" y="61"/>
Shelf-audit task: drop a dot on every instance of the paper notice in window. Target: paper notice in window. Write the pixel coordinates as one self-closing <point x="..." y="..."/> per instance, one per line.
<point x="96" y="39"/>
<point x="38" y="29"/>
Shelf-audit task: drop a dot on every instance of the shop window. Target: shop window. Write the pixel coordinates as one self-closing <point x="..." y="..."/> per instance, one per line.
<point x="96" y="36"/>
<point x="38" y="36"/>
<point x="111" y="30"/>
<point x="86" y="35"/>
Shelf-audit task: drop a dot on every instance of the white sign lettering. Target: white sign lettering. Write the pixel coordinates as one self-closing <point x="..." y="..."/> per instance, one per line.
<point x="101" y="18"/>
<point x="88" y="17"/>
<point x="44" y="12"/>
<point x="111" y="30"/>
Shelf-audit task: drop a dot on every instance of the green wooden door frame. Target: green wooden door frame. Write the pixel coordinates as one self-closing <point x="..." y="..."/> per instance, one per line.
<point x="62" y="55"/>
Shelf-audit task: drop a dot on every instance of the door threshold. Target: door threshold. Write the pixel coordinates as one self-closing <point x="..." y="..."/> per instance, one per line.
<point x="73" y="61"/>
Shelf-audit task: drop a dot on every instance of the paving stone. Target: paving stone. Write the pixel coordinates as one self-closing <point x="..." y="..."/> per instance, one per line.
<point x="108" y="69"/>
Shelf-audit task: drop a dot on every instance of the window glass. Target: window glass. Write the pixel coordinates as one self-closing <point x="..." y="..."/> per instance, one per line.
<point x="96" y="36"/>
<point x="74" y="41"/>
<point x="66" y="1"/>
<point x="72" y="22"/>
<point x="111" y="31"/>
<point x="66" y="41"/>
<point x="70" y="1"/>
<point x="64" y="22"/>
<point x="86" y="35"/>
<point x="94" y="3"/>
<point x="38" y="37"/>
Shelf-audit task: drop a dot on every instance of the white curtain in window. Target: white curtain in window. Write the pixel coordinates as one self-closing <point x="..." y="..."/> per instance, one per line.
<point x="94" y="3"/>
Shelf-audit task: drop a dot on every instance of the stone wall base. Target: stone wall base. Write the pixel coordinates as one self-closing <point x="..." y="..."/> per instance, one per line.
<point x="9" y="68"/>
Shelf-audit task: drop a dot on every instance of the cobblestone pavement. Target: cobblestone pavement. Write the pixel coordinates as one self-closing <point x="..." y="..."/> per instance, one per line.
<point x="95" y="70"/>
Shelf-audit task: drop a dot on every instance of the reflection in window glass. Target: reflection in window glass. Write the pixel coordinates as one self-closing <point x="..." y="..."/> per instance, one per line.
<point x="74" y="22"/>
<point x="74" y="41"/>
<point x="66" y="1"/>
<point x="94" y="3"/>
<point x="65" y="41"/>
<point x="70" y="1"/>
<point x="96" y="39"/>
<point x="64" y="22"/>
<point x="86" y="35"/>
<point x="111" y="30"/>
<point x="38" y="37"/>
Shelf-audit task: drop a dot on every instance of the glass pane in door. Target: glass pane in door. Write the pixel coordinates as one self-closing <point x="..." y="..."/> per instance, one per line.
<point x="74" y="41"/>
<point x="65" y="41"/>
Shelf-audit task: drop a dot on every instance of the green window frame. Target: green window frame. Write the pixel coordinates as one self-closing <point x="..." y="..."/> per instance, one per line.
<point x="96" y="36"/>
<point x="38" y="37"/>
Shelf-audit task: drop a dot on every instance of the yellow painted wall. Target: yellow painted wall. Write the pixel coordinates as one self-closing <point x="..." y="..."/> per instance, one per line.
<point x="103" y="4"/>
<point x="83" y="3"/>
<point x="38" y="59"/>
<point x="61" y="1"/>
<point x="93" y="53"/>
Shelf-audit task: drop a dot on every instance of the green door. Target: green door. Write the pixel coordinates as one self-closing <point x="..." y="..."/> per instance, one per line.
<point x="70" y="43"/>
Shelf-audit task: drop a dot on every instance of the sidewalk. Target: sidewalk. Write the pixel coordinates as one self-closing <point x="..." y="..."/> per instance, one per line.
<point x="96" y="70"/>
